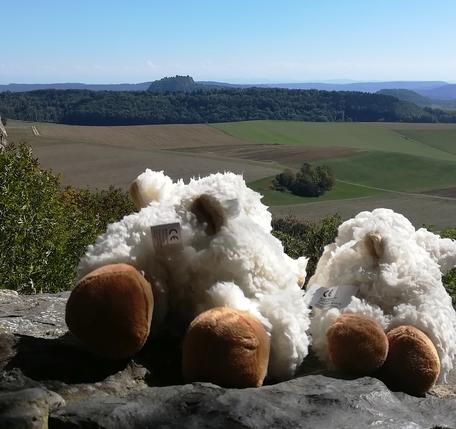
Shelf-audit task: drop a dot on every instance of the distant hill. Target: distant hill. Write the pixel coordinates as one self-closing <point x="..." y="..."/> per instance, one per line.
<point x="443" y="92"/>
<point x="25" y="87"/>
<point x="361" y="86"/>
<point x="418" y="99"/>
<point x="174" y="84"/>
<point x="185" y="84"/>
<point x="432" y="89"/>
<point x="407" y="95"/>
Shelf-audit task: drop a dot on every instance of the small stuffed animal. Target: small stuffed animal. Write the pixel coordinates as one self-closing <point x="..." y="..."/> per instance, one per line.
<point x="381" y="276"/>
<point x="199" y="257"/>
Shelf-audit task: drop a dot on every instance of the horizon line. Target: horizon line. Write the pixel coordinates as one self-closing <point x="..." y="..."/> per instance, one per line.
<point x="334" y="81"/>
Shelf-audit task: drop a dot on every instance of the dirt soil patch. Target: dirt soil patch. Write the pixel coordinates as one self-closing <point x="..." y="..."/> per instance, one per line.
<point x="288" y="155"/>
<point x="419" y="210"/>
<point x="445" y="192"/>
<point x="139" y="136"/>
<point x="99" y="166"/>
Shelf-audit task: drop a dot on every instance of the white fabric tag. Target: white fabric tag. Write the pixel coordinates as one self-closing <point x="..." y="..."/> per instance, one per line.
<point x="333" y="297"/>
<point x="166" y="235"/>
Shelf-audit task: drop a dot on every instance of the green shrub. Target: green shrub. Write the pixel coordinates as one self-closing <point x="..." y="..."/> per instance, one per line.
<point x="100" y="207"/>
<point x="284" y="181"/>
<point x="44" y="231"/>
<point x="306" y="238"/>
<point x="449" y="279"/>
<point x="308" y="182"/>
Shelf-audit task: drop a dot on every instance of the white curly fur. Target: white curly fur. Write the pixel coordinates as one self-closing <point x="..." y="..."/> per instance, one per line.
<point x="401" y="285"/>
<point x="242" y="266"/>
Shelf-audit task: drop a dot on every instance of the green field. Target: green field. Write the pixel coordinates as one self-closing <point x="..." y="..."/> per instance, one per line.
<point x="376" y="164"/>
<point x="390" y="165"/>
<point x="394" y="171"/>
<point x="443" y="140"/>
<point x="401" y="159"/>
<point x="362" y="136"/>
<point x="339" y="192"/>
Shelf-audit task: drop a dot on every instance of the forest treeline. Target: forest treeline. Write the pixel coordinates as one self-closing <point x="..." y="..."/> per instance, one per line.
<point x="84" y="107"/>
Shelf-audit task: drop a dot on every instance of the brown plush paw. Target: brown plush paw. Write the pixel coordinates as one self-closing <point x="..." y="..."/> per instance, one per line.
<point x="110" y="310"/>
<point x="357" y="344"/>
<point x="226" y="347"/>
<point x="413" y="364"/>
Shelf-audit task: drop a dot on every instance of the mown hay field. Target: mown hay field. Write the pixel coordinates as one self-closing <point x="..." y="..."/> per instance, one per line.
<point x="98" y="157"/>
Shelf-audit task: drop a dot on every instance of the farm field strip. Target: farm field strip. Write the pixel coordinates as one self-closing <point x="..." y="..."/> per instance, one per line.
<point x="284" y="155"/>
<point x="361" y="136"/>
<point x="419" y="211"/>
<point x="99" y="165"/>
<point x="444" y="140"/>
<point x="142" y="136"/>
<point x="407" y="167"/>
<point x="409" y="194"/>
<point x="369" y="174"/>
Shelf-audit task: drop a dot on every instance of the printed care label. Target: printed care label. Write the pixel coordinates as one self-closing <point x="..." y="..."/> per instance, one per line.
<point x="166" y="235"/>
<point x="333" y="297"/>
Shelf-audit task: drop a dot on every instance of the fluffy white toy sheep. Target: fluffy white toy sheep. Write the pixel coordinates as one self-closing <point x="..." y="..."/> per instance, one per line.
<point x="389" y="278"/>
<point x="209" y="263"/>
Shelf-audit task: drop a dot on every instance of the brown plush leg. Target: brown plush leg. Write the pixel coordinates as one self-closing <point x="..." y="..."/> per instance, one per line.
<point x="413" y="364"/>
<point x="357" y="344"/>
<point x="226" y="347"/>
<point x="110" y="310"/>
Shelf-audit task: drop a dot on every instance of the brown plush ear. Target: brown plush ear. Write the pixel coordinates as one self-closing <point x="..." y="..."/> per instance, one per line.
<point x="208" y="209"/>
<point x="375" y="245"/>
<point x="136" y="197"/>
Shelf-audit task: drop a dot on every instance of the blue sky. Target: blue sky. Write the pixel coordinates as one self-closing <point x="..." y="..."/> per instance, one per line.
<point x="236" y="41"/>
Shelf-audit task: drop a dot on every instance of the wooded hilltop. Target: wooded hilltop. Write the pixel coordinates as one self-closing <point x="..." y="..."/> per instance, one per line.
<point x="84" y="107"/>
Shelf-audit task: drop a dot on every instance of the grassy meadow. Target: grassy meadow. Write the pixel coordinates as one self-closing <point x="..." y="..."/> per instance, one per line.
<point x="393" y="157"/>
<point x="408" y="167"/>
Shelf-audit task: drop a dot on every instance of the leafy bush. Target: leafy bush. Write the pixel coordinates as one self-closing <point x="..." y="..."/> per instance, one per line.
<point x="306" y="238"/>
<point x="44" y="231"/>
<point x="284" y="181"/>
<point x="99" y="207"/>
<point x="308" y="182"/>
<point x="449" y="279"/>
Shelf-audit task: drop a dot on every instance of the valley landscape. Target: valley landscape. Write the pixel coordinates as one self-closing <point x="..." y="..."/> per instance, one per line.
<point x="410" y="168"/>
<point x="192" y="305"/>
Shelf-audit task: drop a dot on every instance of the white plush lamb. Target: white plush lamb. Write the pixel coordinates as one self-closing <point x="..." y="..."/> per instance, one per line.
<point x="200" y="255"/>
<point x="382" y="275"/>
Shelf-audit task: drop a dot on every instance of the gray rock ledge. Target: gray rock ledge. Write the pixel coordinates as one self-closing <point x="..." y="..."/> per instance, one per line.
<point x="48" y="380"/>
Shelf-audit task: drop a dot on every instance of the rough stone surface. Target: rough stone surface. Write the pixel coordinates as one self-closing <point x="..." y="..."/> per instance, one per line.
<point x="48" y="380"/>
<point x="40" y="316"/>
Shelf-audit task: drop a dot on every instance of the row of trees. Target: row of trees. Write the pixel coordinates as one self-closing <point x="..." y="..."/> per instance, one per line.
<point x="308" y="182"/>
<point x="83" y="107"/>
